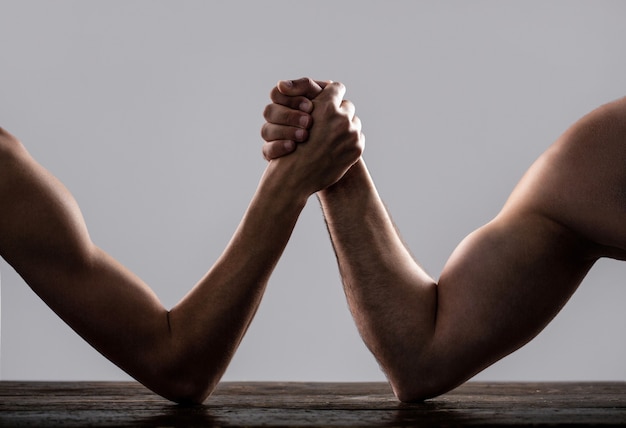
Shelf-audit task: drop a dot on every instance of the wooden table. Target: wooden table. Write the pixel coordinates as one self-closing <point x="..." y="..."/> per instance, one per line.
<point x="114" y="404"/>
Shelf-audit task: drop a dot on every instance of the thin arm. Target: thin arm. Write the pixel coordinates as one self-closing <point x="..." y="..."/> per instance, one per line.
<point x="180" y="354"/>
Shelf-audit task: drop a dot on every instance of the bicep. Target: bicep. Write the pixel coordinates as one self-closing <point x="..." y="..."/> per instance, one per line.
<point x="501" y="287"/>
<point x="44" y="237"/>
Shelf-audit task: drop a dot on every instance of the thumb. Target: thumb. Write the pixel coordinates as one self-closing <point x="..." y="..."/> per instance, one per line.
<point x="333" y="92"/>
<point x="301" y="87"/>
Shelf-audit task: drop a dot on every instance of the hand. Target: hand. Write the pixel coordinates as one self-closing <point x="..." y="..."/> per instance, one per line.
<point x="289" y="116"/>
<point x="334" y="143"/>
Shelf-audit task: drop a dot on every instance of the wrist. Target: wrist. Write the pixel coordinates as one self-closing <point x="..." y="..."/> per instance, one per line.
<point x="356" y="179"/>
<point x="279" y="186"/>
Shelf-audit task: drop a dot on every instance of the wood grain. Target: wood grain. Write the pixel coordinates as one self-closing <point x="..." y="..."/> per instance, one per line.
<point x="116" y="404"/>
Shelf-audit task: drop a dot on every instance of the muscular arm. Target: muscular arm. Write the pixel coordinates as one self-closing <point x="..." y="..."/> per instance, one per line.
<point x="499" y="288"/>
<point x="180" y="354"/>
<point x="501" y="285"/>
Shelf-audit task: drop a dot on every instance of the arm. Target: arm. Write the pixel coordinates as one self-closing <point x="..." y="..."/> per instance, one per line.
<point x="180" y="354"/>
<point x="500" y="287"/>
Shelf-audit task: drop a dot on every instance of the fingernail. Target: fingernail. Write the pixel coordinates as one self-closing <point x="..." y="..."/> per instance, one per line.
<point x="304" y="121"/>
<point x="305" y="106"/>
<point x="288" y="83"/>
<point x="300" y="134"/>
<point x="289" y="145"/>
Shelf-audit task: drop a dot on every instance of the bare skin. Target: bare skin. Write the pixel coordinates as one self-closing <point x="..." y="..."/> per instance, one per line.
<point x="504" y="282"/>
<point x="179" y="353"/>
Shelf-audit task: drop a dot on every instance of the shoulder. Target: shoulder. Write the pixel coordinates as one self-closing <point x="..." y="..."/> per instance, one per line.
<point x="580" y="181"/>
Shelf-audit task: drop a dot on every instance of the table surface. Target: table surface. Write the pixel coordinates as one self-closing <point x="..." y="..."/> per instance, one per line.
<point x="326" y="404"/>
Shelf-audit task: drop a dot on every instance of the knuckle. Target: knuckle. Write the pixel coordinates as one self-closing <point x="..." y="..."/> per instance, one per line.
<point x="304" y="81"/>
<point x="355" y="143"/>
<point x="310" y="83"/>
<point x="339" y="86"/>
<point x="349" y="107"/>
<point x="344" y="124"/>
<point x="360" y="146"/>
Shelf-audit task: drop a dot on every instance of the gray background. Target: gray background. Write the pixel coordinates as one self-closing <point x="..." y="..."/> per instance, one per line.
<point x="149" y="112"/>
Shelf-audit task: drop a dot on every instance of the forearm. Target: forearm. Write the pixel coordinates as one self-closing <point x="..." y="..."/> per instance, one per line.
<point x="221" y="306"/>
<point x="392" y="299"/>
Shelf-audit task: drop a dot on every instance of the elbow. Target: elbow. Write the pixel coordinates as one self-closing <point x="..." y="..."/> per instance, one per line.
<point x="191" y="393"/>
<point x="187" y="390"/>
<point x="177" y="370"/>
<point x="181" y="371"/>
<point x="180" y="379"/>
<point x="190" y="397"/>
<point x="412" y="392"/>
<point x="419" y="385"/>
<point x="408" y="393"/>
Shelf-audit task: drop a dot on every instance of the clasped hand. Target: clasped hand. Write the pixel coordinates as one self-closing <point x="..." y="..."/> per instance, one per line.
<point x="313" y="117"/>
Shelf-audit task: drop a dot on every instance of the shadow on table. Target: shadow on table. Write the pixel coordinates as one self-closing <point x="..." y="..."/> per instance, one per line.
<point x="180" y="416"/>
<point x="422" y="414"/>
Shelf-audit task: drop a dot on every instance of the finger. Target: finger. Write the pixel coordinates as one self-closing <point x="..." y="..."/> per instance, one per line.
<point x="281" y="115"/>
<point x="296" y="102"/>
<point x="333" y="92"/>
<point x="275" y="149"/>
<point x="348" y="108"/>
<point x="273" y="132"/>
<point x="305" y="86"/>
<point x="361" y="142"/>
<point x="356" y="126"/>
<point x="323" y="83"/>
<point x="356" y="123"/>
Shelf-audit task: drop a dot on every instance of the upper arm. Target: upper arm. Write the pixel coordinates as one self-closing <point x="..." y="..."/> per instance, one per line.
<point x="506" y="281"/>
<point x="500" y="287"/>
<point x="44" y="238"/>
